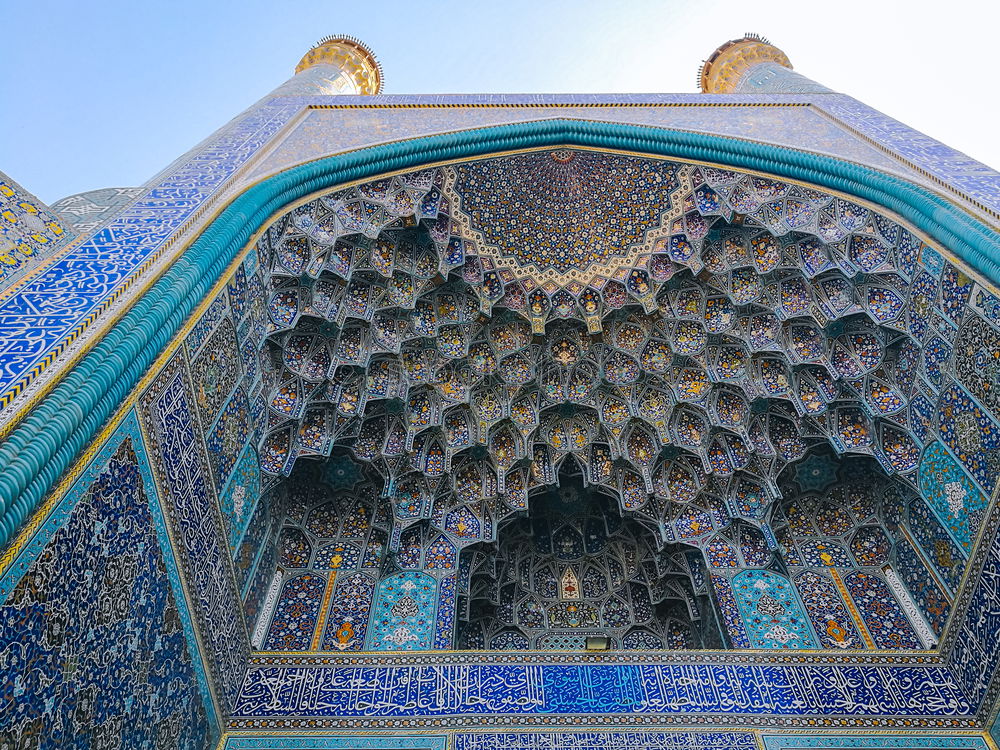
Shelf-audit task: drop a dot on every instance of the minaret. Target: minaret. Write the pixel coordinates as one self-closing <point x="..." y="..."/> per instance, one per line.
<point x="335" y="65"/>
<point x="752" y="65"/>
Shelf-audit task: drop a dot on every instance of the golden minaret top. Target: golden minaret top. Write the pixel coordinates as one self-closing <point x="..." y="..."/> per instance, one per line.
<point x="360" y="72"/>
<point x="725" y="67"/>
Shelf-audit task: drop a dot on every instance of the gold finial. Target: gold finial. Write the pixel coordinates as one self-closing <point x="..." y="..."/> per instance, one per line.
<point x="724" y="68"/>
<point x="360" y="71"/>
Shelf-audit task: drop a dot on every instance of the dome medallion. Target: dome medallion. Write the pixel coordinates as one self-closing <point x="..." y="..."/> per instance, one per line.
<point x="566" y="218"/>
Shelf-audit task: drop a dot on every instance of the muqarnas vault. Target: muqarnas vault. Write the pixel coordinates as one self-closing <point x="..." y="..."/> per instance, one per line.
<point x="495" y="421"/>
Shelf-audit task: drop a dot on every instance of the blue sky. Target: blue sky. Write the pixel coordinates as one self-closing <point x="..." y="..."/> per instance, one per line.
<point x="106" y="93"/>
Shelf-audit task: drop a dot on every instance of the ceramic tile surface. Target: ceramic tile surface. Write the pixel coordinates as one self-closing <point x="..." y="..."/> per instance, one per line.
<point x="437" y="434"/>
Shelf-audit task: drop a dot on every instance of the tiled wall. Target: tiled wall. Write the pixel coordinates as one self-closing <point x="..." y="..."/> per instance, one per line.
<point x="598" y="739"/>
<point x="122" y="621"/>
<point x="97" y="635"/>
<point x="97" y="647"/>
<point x="29" y="231"/>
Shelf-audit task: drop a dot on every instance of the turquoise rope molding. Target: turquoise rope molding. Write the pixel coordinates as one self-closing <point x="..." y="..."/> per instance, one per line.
<point x="43" y="446"/>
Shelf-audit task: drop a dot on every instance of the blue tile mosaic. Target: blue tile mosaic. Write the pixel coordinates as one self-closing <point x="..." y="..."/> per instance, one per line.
<point x="598" y="740"/>
<point x="178" y="455"/>
<point x="31" y="231"/>
<point x="238" y="500"/>
<point x="82" y="284"/>
<point x="674" y="691"/>
<point x="953" y="168"/>
<point x="974" y="653"/>
<point x="178" y="409"/>
<point x="883" y="742"/>
<point x="930" y="597"/>
<point x="337" y="742"/>
<point x="771" y="611"/>
<point x="403" y="615"/>
<point x="972" y="435"/>
<point x="97" y="645"/>
<point x="251" y="545"/>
